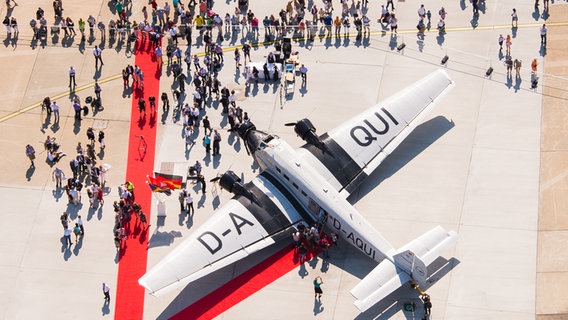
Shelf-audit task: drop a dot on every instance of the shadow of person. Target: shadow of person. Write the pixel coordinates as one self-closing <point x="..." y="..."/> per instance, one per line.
<point x="78" y="245"/>
<point x="30" y="172"/>
<point x="67" y="253"/>
<point x="474" y="21"/>
<point x="536" y="13"/>
<point x="302" y="272"/>
<point x="57" y="194"/>
<point x="509" y="83"/>
<point x="318" y="307"/>
<point x="518" y="82"/>
<point x="324" y="266"/>
<point x="7" y="40"/>
<point x="152" y="121"/>
<point x="181" y="217"/>
<point x="142" y="121"/>
<point x="77" y="126"/>
<point x="105" y="308"/>
<point x="165" y="115"/>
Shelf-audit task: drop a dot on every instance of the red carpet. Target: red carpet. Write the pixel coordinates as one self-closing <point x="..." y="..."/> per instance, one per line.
<point x="141" y="151"/>
<point x="243" y="286"/>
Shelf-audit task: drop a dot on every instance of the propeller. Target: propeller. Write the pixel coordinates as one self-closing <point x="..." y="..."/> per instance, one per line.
<point x="290" y="124"/>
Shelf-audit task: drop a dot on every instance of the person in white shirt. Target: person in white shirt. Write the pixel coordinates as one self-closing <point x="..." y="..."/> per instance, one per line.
<point x="72" y="77"/>
<point x="422" y="11"/>
<point x="189" y="202"/>
<point x="106" y="292"/>
<point x="67" y="236"/>
<point x="55" y="109"/>
<point x="543" y="31"/>
<point x="97" y="52"/>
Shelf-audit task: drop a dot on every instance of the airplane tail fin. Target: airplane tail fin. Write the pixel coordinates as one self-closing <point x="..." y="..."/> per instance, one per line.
<point x="409" y="263"/>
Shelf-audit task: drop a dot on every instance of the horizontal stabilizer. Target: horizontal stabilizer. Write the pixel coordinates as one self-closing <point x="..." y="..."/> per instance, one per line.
<point x="429" y="246"/>
<point x="378" y="284"/>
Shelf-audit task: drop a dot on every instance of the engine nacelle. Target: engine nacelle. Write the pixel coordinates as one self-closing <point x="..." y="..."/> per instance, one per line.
<point x="231" y="182"/>
<point x="228" y="181"/>
<point x="306" y="130"/>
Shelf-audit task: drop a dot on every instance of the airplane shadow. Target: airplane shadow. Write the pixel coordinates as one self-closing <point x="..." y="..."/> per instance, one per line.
<point x="420" y="139"/>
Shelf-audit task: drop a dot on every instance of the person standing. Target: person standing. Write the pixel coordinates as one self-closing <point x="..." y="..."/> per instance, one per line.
<point x="514" y="19"/>
<point x="534" y="66"/>
<point x="501" y="39"/>
<point x="517" y="65"/>
<point x="509" y="65"/>
<point x="102" y="139"/>
<point x="206" y="125"/>
<point x="391" y="3"/>
<point x="57" y="175"/>
<point x="317" y="287"/>
<point x="158" y="53"/>
<point x="508" y="43"/>
<point x="98" y="90"/>
<point x="543" y="31"/>
<point x="246" y="51"/>
<point x="130" y="71"/>
<point x="165" y="102"/>
<point x="181" y="81"/>
<point x="72" y="77"/>
<point x="78" y="109"/>
<point x="182" y="196"/>
<point x="80" y="224"/>
<point x="216" y="142"/>
<point x="67" y="236"/>
<point x="304" y="73"/>
<point x="302" y="251"/>
<point x="142" y="106"/>
<point x="55" y="110"/>
<point x="106" y="292"/>
<point x="189" y="202"/>
<point x="201" y="180"/>
<point x="427" y="304"/>
<point x="30" y="153"/>
<point x="97" y="53"/>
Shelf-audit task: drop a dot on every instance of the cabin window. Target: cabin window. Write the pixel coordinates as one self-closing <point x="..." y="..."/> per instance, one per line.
<point x="278" y="169"/>
<point x="295" y="185"/>
<point x="304" y="193"/>
<point x="286" y="177"/>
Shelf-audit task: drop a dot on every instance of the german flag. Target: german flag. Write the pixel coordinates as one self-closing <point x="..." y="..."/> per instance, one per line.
<point x="173" y="181"/>
<point x="158" y="186"/>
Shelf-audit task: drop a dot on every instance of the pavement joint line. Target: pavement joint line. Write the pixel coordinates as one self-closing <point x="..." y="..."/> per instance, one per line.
<point x="267" y="43"/>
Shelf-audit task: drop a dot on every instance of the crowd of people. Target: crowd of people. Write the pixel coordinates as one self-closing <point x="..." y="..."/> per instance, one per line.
<point x="161" y="28"/>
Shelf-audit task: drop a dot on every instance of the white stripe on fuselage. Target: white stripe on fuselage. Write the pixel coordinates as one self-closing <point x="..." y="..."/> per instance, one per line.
<point x="343" y="219"/>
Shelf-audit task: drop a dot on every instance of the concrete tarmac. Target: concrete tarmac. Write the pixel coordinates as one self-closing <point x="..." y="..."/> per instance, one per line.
<point x="488" y="163"/>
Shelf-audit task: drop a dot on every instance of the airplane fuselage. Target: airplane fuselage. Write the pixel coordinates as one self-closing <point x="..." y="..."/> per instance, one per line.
<point x="319" y="197"/>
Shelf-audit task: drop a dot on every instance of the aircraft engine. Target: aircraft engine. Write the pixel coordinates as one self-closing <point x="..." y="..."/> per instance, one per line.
<point x="306" y="130"/>
<point x="231" y="182"/>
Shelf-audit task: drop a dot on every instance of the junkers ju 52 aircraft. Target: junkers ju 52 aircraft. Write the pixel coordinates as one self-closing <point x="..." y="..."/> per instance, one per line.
<point x="304" y="184"/>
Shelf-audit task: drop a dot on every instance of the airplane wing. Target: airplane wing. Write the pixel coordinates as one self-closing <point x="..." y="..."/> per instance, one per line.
<point x="239" y="228"/>
<point x="355" y="149"/>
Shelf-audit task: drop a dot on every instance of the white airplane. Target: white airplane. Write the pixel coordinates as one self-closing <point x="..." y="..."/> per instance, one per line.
<point x="307" y="184"/>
